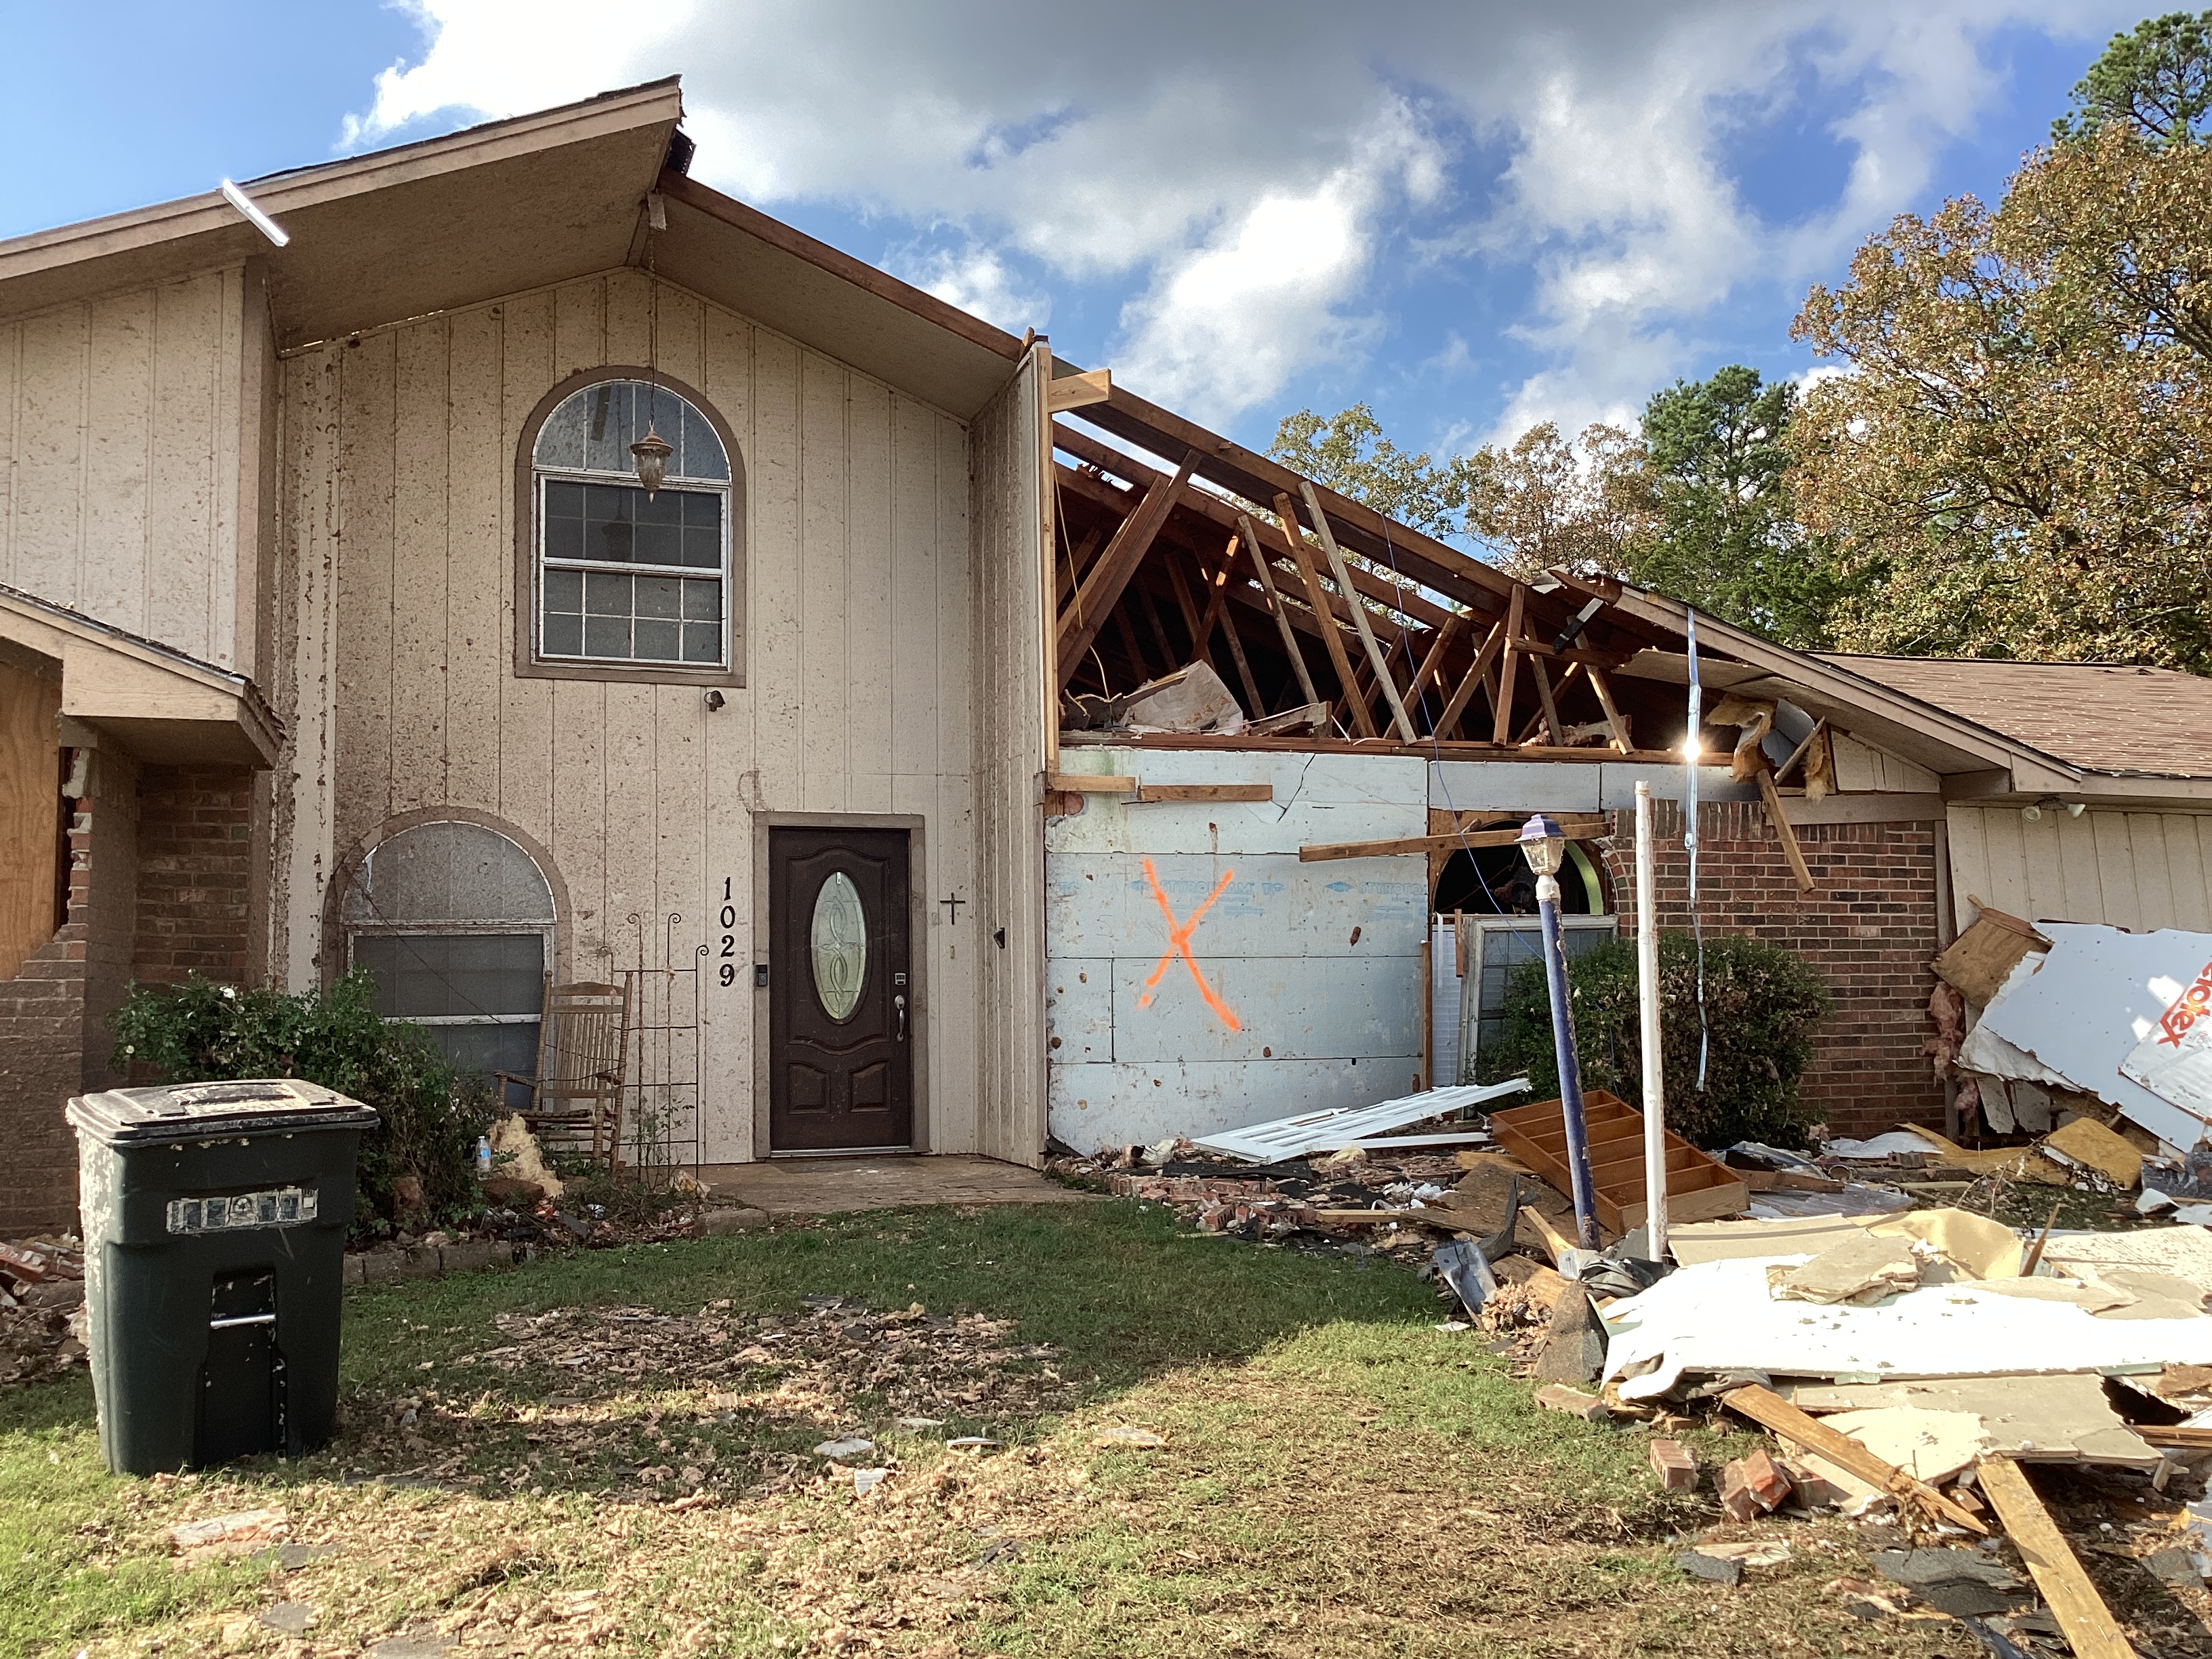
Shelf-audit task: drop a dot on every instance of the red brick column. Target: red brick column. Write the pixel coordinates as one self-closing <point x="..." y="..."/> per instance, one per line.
<point x="195" y="873"/>
<point x="1869" y="928"/>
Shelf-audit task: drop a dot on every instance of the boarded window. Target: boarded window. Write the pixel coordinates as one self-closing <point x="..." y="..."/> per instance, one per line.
<point x="454" y="921"/>
<point x="30" y="815"/>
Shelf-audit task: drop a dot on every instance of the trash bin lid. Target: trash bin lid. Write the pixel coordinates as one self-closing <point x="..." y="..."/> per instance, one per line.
<point x="201" y="1111"/>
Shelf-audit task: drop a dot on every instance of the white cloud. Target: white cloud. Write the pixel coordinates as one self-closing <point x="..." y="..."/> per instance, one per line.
<point x="1247" y="180"/>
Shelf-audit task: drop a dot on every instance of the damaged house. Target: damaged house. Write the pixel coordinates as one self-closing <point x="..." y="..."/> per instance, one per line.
<point x="339" y="628"/>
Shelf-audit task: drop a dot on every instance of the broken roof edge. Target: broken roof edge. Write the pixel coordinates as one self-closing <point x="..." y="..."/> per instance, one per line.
<point x="84" y="239"/>
<point x="1818" y="673"/>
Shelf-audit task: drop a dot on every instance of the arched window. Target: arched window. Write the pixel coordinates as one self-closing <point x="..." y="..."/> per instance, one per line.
<point x="455" y="923"/>
<point x="623" y="584"/>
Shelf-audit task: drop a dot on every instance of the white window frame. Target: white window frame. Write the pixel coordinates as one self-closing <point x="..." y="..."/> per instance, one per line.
<point x="1470" y="985"/>
<point x="723" y="574"/>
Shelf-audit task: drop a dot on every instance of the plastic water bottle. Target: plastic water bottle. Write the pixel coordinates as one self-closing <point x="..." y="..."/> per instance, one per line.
<point x="484" y="1156"/>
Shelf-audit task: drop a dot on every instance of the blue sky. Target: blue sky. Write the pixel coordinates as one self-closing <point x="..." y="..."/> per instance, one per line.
<point x="1471" y="216"/>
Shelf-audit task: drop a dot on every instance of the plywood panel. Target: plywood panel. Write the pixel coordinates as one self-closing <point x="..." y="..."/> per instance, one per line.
<point x="525" y="770"/>
<point x="183" y="510"/>
<point x="478" y="648"/>
<point x="30" y="814"/>
<point x="119" y="393"/>
<point x="825" y="668"/>
<point x="871" y="690"/>
<point x="2186" y="865"/>
<point x="2080" y="885"/>
<point x="421" y="616"/>
<point x="46" y="529"/>
<point x="775" y="620"/>
<point x="366" y="556"/>
<point x="2141" y="870"/>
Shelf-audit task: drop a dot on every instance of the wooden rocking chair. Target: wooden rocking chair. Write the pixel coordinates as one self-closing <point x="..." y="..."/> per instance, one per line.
<point x="576" y="1098"/>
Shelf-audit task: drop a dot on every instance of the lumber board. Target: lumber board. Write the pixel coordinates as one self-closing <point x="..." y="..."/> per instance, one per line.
<point x="1697" y="1187"/>
<point x="1375" y="652"/>
<point x="1603" y="688"/>
<point x="1432" y="665"/>
<point x="1791" y="850"/>
<point x="1553" y="729"/>
<point x="1203" y="792"/>
<point x="1501" y="727"/>
<point x="1090" y="783"/>
<point x="1451" y="841"/>
<point x="2090" y="1628"/>
<point x="1250" y="536"/>
<point x="1492" y="645"/>
<point x="1332" y="636"/>
<point x="1771" y="1411"/>
<point x="1078" y="391"/>
<point x="1101" y="590"/>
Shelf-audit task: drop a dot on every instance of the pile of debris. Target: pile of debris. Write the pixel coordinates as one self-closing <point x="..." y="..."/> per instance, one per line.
<point x="41" y="1307"/>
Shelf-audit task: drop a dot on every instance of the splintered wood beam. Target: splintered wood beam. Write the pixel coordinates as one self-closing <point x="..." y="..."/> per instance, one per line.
<point x="1501" y="719"/>
<point x="1613" y="717"/>
<point x="1358" y="609"/>
<point x="1331" y="636"/>
<point x="2090" y="1629"/>
<point x="1784" y="832"/>
<point x="1250" y="536"/>
<point x="1101" y="590"/>
<point x="1771" y="1411"/>
<point x="1493" y="643"/>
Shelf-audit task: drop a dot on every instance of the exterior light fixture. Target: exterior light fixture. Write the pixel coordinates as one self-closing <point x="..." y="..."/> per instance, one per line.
<point x="651" y="454"/>
<point x="2051" y="804"/>
<point x="1545" y="845"/>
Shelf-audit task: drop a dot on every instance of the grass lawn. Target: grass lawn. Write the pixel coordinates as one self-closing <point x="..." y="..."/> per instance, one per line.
<point x="612" y="1452"/>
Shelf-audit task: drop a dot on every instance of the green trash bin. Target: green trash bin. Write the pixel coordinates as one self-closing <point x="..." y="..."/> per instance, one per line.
<point x="215" y="1226"/>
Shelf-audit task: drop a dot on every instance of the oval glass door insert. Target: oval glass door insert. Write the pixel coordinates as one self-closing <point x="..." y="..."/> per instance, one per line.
<point x="840" y="940"/>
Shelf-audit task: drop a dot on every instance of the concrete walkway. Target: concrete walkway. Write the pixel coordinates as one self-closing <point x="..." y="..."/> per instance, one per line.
<point x="827" y="1186"/>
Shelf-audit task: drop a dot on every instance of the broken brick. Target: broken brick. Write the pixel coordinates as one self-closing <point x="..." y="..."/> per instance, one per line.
<point x="1675" y="1465"/>
<point x="1751" y="1487"/>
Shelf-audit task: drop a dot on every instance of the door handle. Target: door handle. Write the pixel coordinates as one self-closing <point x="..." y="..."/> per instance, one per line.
<point x="900" y="1004"/>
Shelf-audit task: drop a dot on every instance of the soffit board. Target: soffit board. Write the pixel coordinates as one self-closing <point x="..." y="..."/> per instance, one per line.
<point x="374" y="239"/>
<point x="736" y="257"/>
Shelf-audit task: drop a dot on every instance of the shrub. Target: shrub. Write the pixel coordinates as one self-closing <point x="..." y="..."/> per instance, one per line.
<point x="202" y="1031"/>
<point x="1762" y="1004"/>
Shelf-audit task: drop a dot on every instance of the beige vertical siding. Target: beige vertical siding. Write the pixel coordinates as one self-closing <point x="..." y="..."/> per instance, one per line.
<point x="400" y="693"/>
<point x="2140" y="871"/>
<point x="1008" y="555"/>
<point x="119" y="447"/>
<point x="1860" y="766"/>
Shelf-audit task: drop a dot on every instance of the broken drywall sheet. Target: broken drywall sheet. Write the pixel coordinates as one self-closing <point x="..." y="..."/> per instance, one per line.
<point x="2094" y="997"/>
<point x="2041" y="1419"/>
<point x="1718" y="1317"/>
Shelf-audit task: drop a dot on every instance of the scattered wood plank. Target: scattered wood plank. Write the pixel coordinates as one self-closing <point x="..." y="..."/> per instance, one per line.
<point x="1358" y="611"/>
<point x="2081" y="1614"/>
<point x="1090" y="783"/>
<point x="1771" y="1411"/>
<point x="1331" y="636"/>
<point x="1154" y="793"/>
<point x="1788" y="836"/>
<point x="1101" y="590"/>
<point x="1558" y="1397"/>
<point x="1553" y="730"/>
<point x="1431" y="668"/>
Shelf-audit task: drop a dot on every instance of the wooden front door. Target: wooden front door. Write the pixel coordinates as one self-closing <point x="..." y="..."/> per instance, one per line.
<point x="841" y="1003"/>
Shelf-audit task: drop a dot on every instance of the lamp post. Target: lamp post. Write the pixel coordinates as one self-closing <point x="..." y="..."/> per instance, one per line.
<point x="1545" y="848"/>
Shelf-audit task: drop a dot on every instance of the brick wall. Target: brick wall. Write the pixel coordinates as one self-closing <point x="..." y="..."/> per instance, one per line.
<point x="1869" y="927"/>
<point x="52" y="1034"/>
<point x="195" y="872"/>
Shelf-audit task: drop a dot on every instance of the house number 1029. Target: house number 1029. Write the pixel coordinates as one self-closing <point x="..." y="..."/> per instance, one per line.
<point x="729" y="921"/>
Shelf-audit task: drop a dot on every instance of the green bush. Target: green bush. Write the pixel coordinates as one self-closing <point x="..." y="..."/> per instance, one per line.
<point x="203" y="1032"/>
<point x="1762" y="1004"/>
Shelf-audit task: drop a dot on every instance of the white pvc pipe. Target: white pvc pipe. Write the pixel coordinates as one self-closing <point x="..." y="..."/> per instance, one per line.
<point x="1647" y="983"/>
